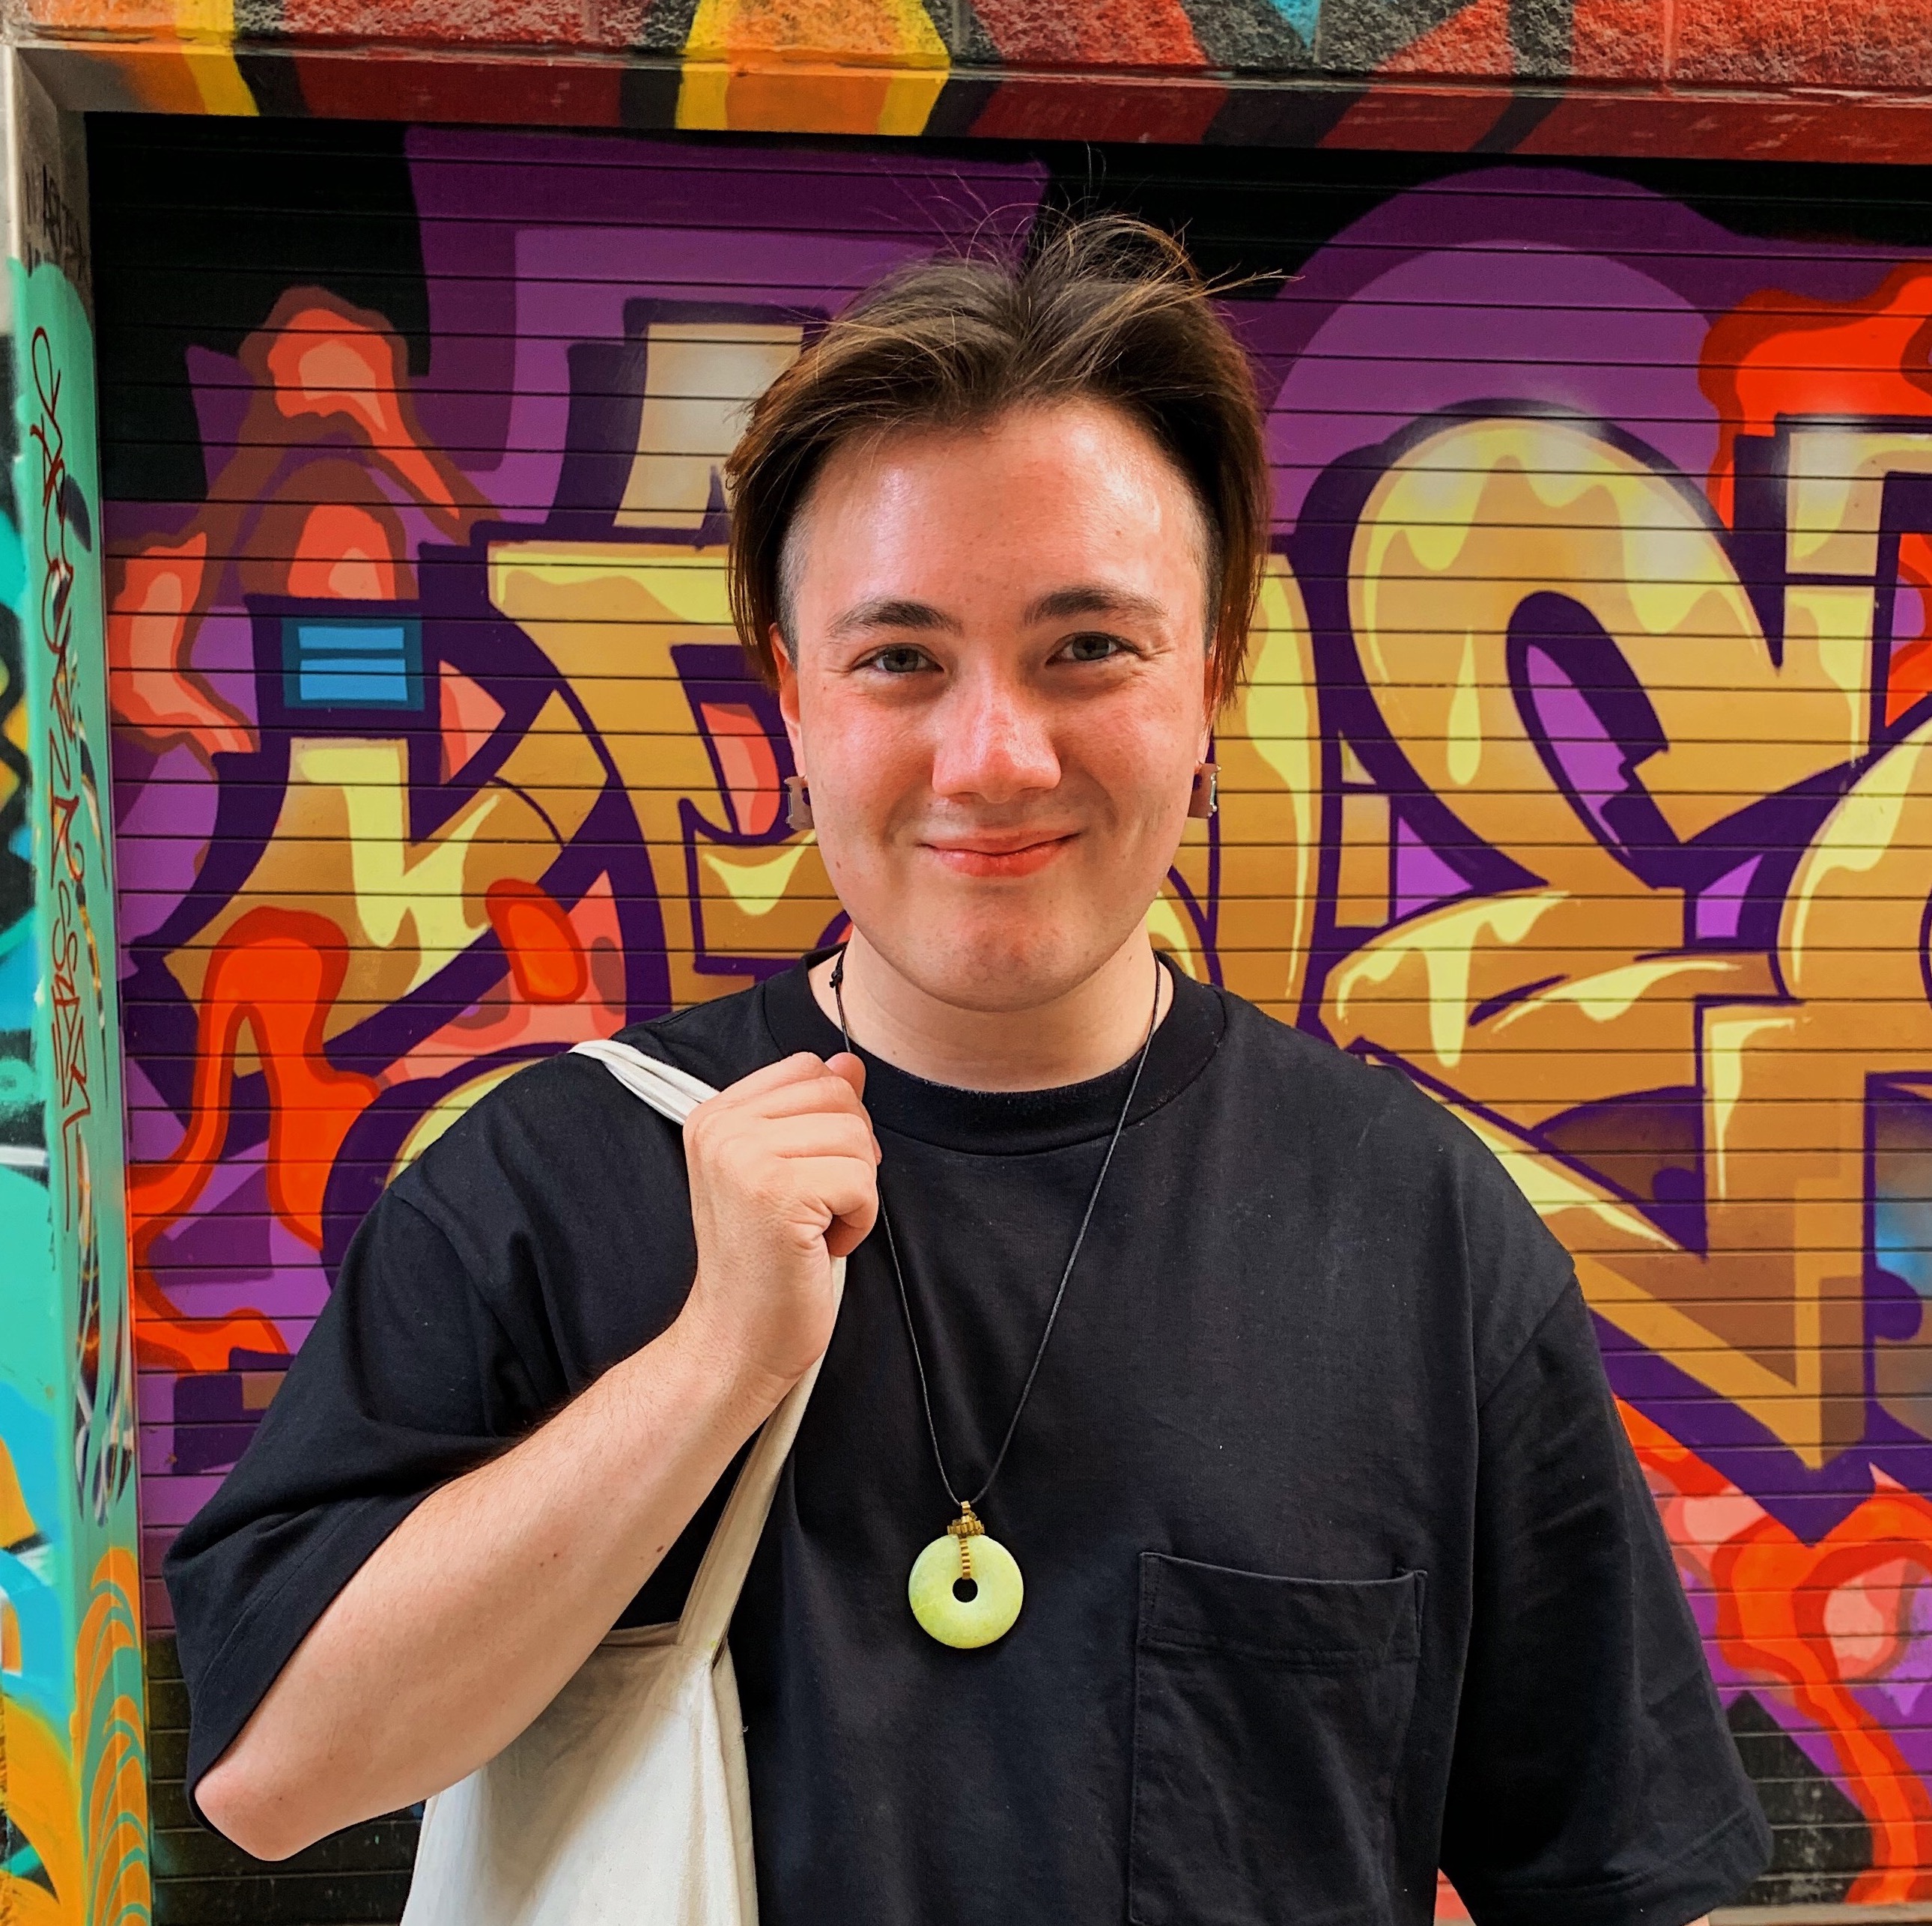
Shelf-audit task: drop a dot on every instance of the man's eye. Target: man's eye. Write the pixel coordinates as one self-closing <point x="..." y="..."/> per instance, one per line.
<point x="1092" y="648"/>
<point x="905" y="662"/>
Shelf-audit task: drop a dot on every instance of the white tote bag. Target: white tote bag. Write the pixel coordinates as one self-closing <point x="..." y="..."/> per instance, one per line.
<point x="625" y="1803"/>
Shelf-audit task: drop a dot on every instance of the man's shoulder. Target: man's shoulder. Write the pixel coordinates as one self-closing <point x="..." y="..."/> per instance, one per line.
<point x="1387" y="1155"/>
<point x="1337" y="1090"/>
<point x="562" y="1125"/>
<point x="718" y="1041"/>
<point x="1346" y="1100"/>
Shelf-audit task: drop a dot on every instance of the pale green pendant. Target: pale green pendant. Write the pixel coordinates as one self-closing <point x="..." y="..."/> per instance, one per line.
<point x="965" y="1561"/>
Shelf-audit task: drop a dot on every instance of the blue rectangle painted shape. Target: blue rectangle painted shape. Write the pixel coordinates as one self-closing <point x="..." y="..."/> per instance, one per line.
<point x="363" y="685"/>
<point x="392" y="640"/>
<point x="333" y="662"/>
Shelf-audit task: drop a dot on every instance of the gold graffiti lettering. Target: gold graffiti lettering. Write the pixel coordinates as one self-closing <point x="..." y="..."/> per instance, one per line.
<point x="1526" y="1003"/>
<point x="1526" y="999"/>
<point x="341" y="847"/>
<point x="1770" y="1314"/>
<point x="608" y="614"/>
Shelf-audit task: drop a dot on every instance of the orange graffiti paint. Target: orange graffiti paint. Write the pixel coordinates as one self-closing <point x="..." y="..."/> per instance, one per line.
<point x="344" y="552"/>
<point x="150" y="611"/>
<point x="547" y="961"/>
<point x="115" y="1812"/>
<point x="322" y="358"/>
<point x="279" y="972"/>
<point x="748" y="763"/>
<point x="327" y="533"/>
<point x="467" y="716"/>
<point x="1474" y="39"/>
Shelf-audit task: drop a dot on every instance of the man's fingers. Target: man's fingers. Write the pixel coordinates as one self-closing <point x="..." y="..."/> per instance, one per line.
<point x="799" y="1083"/>
<point x="842" y="1187"/>
<point x="843" y="1064"/>
<point x="803" y="1117"/>
<point x="802" y="1066"/>
<point x="844" y="1235"/>
<point x="818" y="1134"/>
<point x="823" y="1095"/>
<point x="800" y="1087"/>
<point x="783" y="1168"/>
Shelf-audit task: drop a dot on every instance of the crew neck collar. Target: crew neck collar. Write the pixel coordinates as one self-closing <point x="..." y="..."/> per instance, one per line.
<point x="1006" y="1123"/>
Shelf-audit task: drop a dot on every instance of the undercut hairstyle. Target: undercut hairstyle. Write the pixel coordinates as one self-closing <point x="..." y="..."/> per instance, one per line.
<point x="1109" y="310"/>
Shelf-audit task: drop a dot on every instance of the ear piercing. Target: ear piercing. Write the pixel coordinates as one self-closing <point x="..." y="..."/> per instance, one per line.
<point x="798" y="803"/>
<point x="1205" y="797"/>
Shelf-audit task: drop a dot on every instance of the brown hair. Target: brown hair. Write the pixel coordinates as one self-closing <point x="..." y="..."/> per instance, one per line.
<point x="1109" y="310"/>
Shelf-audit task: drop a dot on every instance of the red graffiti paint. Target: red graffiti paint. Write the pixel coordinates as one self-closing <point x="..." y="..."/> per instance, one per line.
<point x="287" y="513"/>
<point x="277" y="972"/>
<point x="1777" y="354"/>
<point x="1773" y="1593"/>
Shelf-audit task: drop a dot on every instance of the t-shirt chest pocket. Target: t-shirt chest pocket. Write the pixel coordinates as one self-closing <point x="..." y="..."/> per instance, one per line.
<point x="1269" y="1715"/>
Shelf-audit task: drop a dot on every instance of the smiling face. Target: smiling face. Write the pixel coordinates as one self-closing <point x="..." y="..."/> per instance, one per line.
<point x="1000" y="693"/>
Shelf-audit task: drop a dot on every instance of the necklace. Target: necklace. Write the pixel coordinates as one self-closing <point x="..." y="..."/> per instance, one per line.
<point x="965" y="1589"/>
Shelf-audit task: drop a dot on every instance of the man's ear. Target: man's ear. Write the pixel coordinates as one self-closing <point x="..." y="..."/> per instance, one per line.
<point x="787" y="680"/>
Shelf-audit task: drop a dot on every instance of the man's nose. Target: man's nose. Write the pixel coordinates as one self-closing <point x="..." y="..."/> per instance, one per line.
<point x="994" y="743"/>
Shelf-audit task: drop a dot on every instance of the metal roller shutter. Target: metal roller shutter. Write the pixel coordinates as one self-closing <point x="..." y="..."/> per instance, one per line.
<point x="1585" y="768"/>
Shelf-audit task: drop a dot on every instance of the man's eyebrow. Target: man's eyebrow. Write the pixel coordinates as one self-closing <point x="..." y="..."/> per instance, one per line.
<point x="894" y="612"/>
<point x="1093" y="598"/>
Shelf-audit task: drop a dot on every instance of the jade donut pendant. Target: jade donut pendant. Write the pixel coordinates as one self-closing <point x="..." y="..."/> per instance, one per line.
<point x="965" y="1562"/>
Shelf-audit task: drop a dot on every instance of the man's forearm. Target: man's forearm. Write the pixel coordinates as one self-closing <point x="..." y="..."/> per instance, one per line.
<point x="468" y="1618"/>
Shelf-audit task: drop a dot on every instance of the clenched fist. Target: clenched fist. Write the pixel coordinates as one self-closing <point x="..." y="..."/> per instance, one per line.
<point x="784" y="1178"/>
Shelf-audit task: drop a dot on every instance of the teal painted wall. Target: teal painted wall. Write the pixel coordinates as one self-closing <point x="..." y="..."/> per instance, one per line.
<point x="73" y="1753"/>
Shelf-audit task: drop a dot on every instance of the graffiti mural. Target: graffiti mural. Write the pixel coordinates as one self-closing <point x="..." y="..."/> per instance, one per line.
<point x="1722" y="79"/>
<point x="72" y="1745"/>
<point x="1584" y="771"/>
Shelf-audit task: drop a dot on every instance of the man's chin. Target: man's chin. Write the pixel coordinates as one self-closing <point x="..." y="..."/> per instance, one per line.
<point x="1013" y="965"/>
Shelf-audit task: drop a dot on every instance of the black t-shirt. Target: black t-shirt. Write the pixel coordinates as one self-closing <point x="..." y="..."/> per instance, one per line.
<point x="1338" y="1564"/>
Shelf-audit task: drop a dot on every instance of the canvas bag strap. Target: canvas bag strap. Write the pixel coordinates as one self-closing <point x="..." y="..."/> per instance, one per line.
<point x="674" y="1094"/>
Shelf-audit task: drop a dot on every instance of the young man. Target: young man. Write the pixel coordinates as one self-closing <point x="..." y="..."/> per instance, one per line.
<point x="1336" y="1563"/>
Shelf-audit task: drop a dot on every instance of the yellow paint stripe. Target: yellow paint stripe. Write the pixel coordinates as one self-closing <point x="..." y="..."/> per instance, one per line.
<point x="218" y="80"/>
<point x="206" y="29"/>
<point x="704" y="92"/>
<point x="204" y="19"/>
<point x="910" y="100"/>
<point x="711" y="36"/>
<point x="877" y="66"/>
<point x="757" y="884"/>
<point x="918" y="39"/>
<point x="865" y="33"/>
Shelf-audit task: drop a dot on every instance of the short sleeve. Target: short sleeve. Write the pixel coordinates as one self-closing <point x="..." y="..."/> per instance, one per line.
<point x="1594" y="1779"/>
<point x="405" y="1382"/>
<point x="544" y="1238"/>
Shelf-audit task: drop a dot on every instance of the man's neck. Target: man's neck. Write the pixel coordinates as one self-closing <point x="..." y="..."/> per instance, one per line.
<point x="1090" y="1030"/>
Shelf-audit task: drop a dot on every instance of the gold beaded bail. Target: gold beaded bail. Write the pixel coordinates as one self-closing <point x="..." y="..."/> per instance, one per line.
<point x="966" y="1528"/>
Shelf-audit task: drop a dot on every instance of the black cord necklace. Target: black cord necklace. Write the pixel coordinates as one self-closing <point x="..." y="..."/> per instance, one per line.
<point x="959" y="1603"/>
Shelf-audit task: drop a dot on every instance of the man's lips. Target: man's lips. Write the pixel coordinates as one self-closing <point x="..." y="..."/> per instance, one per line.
<point x="1001" y="855"/>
